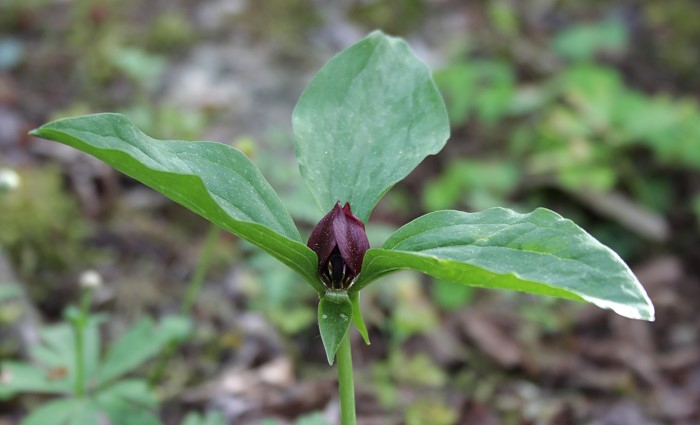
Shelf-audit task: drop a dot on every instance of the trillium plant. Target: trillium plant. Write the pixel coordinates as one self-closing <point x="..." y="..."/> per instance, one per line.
<point x="366" y="120"/>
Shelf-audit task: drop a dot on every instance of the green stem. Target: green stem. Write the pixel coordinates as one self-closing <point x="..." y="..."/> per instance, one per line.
<point x="79" y="324"/>
<point x="79" y="369"/>
<point x="345" y="382"/>
<point x="190" y="298"/>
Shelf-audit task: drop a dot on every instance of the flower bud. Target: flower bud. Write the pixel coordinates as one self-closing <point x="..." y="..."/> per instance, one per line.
<point x="340" y="242"/>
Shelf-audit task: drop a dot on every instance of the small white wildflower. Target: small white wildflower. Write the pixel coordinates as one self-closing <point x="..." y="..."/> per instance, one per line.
<point x="90" y="279"/>
<point x="9" y="179"/>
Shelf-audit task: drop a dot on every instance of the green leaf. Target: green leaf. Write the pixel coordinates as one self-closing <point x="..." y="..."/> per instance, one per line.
<point x="22" y="378"/>
<point x="129" y="390"/>
<point x="129" y="402"/>
<point x="56" y="356"/>
<point x="367" y="119"/>
<point x="480" y="86"/>
<point x="214" y="180"/>
<point x="67" y="411"/>
<point x="582" y="42"/>
<point x="540" y="253"/>
<point x="141" y="342"/>
<point x="334" y="315"/>
<point x="57" y="351"/>
<point x="57" y="348"/>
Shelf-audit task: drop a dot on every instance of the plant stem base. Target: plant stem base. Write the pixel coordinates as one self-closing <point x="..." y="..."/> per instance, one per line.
<point x="345" y="383"/>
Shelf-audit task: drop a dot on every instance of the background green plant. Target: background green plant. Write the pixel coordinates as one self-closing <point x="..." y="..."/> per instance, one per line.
<point x="578" y="129"/>
<point x="94" y="386"/>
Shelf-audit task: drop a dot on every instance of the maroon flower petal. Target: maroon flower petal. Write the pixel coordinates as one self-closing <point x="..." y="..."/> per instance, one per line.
<point x="321" y="240"/>
<point x="351" y="239"/>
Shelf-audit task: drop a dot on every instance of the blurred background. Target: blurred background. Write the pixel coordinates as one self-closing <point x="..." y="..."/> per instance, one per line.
<point x="587" y="108"/>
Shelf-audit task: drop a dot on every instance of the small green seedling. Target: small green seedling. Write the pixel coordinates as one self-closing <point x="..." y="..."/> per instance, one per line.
<point x="93" y="388"/>
<point x="367" y="119"/>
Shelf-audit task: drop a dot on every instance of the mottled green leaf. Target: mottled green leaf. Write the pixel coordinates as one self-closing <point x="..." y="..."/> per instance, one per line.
<point x="367" y="119"/>
<point x="214" y="180"/>
<point x="540" y="253"/>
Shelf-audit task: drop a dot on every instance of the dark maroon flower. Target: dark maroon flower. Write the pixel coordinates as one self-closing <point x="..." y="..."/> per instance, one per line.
<point x="340" y="242"/>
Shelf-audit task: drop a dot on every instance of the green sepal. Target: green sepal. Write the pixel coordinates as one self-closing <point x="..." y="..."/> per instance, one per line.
<point x="357" y="318"/>
<point x="334" y="314"/>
